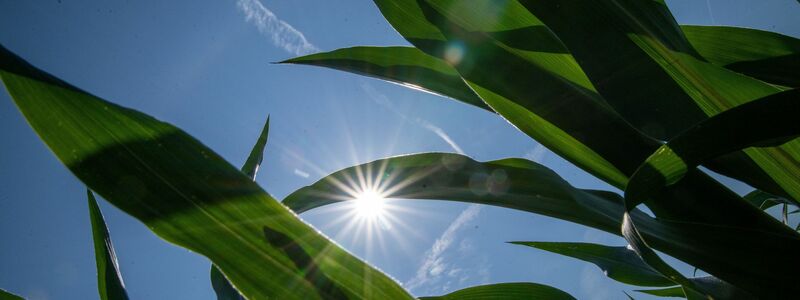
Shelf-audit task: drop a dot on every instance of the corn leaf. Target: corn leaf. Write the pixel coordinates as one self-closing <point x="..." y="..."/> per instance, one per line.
<point x="543" y="94"/>
<point x="4" y="295"/>
<point x="723" y="290"/>
<point x="506" y="291"/>
<point x="253" y="162"/>
<point x="769" y="56"/>
<point x="524" y="185"/>
<point x="619" y="263"/>
<point x="512" y="183"/>
<point x="222" y="287"/>
<point x="676" y="292"/>
<point x="723" y="133"/>
<point x="407" y="66"/>
<point x="109" y="278"/>
<point x="660" y="65"/>
<point x="187" y="194"/>
<point x="764" y="200"/>
<point x="769" y="120"/>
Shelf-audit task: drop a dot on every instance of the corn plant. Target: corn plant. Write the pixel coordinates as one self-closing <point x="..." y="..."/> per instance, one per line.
<point x="616" y="87"/>
<point x="621" y="90"/>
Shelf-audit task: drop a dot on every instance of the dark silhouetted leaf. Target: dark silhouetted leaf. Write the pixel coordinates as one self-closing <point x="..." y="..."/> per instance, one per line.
<point x="506" y="291"/>
<point x="619" y="263"/>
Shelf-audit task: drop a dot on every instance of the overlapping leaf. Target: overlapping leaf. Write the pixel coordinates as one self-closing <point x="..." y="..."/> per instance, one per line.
<point x="527" y="186"/>
<point x="619" y="263"/>
<point x="222" y="287"/>
<point x="634" y="50"/>
<point x="770" y="120"/>
<point x="519" y="31"/>
<point x="109" y="279"/>
<point x="506" y="291"/>
<point x="721" y="134"/>
<point x="765" y="55"/>
<point x="187" y="194"/>
<point x="404" y="65"/>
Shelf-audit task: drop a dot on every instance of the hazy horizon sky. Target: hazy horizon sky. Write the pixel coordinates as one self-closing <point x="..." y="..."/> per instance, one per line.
<point x="206" y="67"/>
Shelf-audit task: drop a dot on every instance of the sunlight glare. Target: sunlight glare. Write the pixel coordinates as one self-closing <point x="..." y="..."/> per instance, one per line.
<point x="369" y="204"/>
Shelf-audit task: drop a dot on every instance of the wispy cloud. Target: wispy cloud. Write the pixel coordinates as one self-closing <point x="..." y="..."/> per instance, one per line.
<point x="282" y="34"/>
<point x="434" y="264"/>
<point x="382" y="100"/>
<point x="300" y="173"/>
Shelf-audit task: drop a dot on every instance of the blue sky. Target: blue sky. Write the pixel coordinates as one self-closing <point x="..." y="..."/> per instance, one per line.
<point x="205" y="67"/>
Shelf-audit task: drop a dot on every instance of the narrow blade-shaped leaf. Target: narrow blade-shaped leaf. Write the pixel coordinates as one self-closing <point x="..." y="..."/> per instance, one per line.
<point x="723" y="133"/>
<point x="404" y="65"/>
<point x="764" y="200"/>
<point x="253" y="163"/>
<point x="619" y="263"/>
<point x="681" y="88"/>
<point x="531" y="187"/>
<point x="222" y="286"/>
<point x="765" y="55"/>
<point x="676" y="292"/>
<point x="769" y="120"/>
<point x="187" y="194"/>
<point x="109" y="278"/>
<point x="506" y="291"/>
<point x="4" y="295"/>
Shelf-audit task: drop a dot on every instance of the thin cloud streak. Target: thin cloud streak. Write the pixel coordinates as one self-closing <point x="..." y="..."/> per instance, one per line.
<point x="382" y="100"/>
<point x="282" y="34"/>
<point x="433" y="266"/>
<point x="300" y="173"/>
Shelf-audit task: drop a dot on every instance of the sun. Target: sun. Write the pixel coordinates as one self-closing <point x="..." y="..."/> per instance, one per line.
<point x="369" y="204"/>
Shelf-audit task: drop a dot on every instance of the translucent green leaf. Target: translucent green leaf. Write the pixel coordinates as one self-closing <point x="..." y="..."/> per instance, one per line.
<point x="407" y="66"/>
<point x="666" y="84"/>
<point x="109" y="278"/>
<point x="222" y="287"/>
<point x="4" y="295"/>
<point x="187" y="194"/>
<point x="527" y="186"/>
<point x="765" y="55"/>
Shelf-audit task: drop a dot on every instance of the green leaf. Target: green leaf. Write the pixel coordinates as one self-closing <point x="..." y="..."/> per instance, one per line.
<point x="676" y="292"/>
<point x="629" y="296"/>
<point x="4" y="295"/>
<point x="221" y="285"/>
<point x="506" y="291"/>
<point x="518" y="32"/>
<point x="619" y="263"/>
<point x="407" y="66"/>
<point x="770" y="120"/>
<point x="187" y="194"/>
<point x="660" y="65"/>
<point x="723" y="289"/>
<point x="764" y="200"/>
<point x="723" y="133"/>
<point x="543" y="94"/>
<point x="512" y="183"/>
<point x="527" y="186"/>
<point x="769" y="56"/>
<point x="253" y="163"/>
<point x="109" y="278"/>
